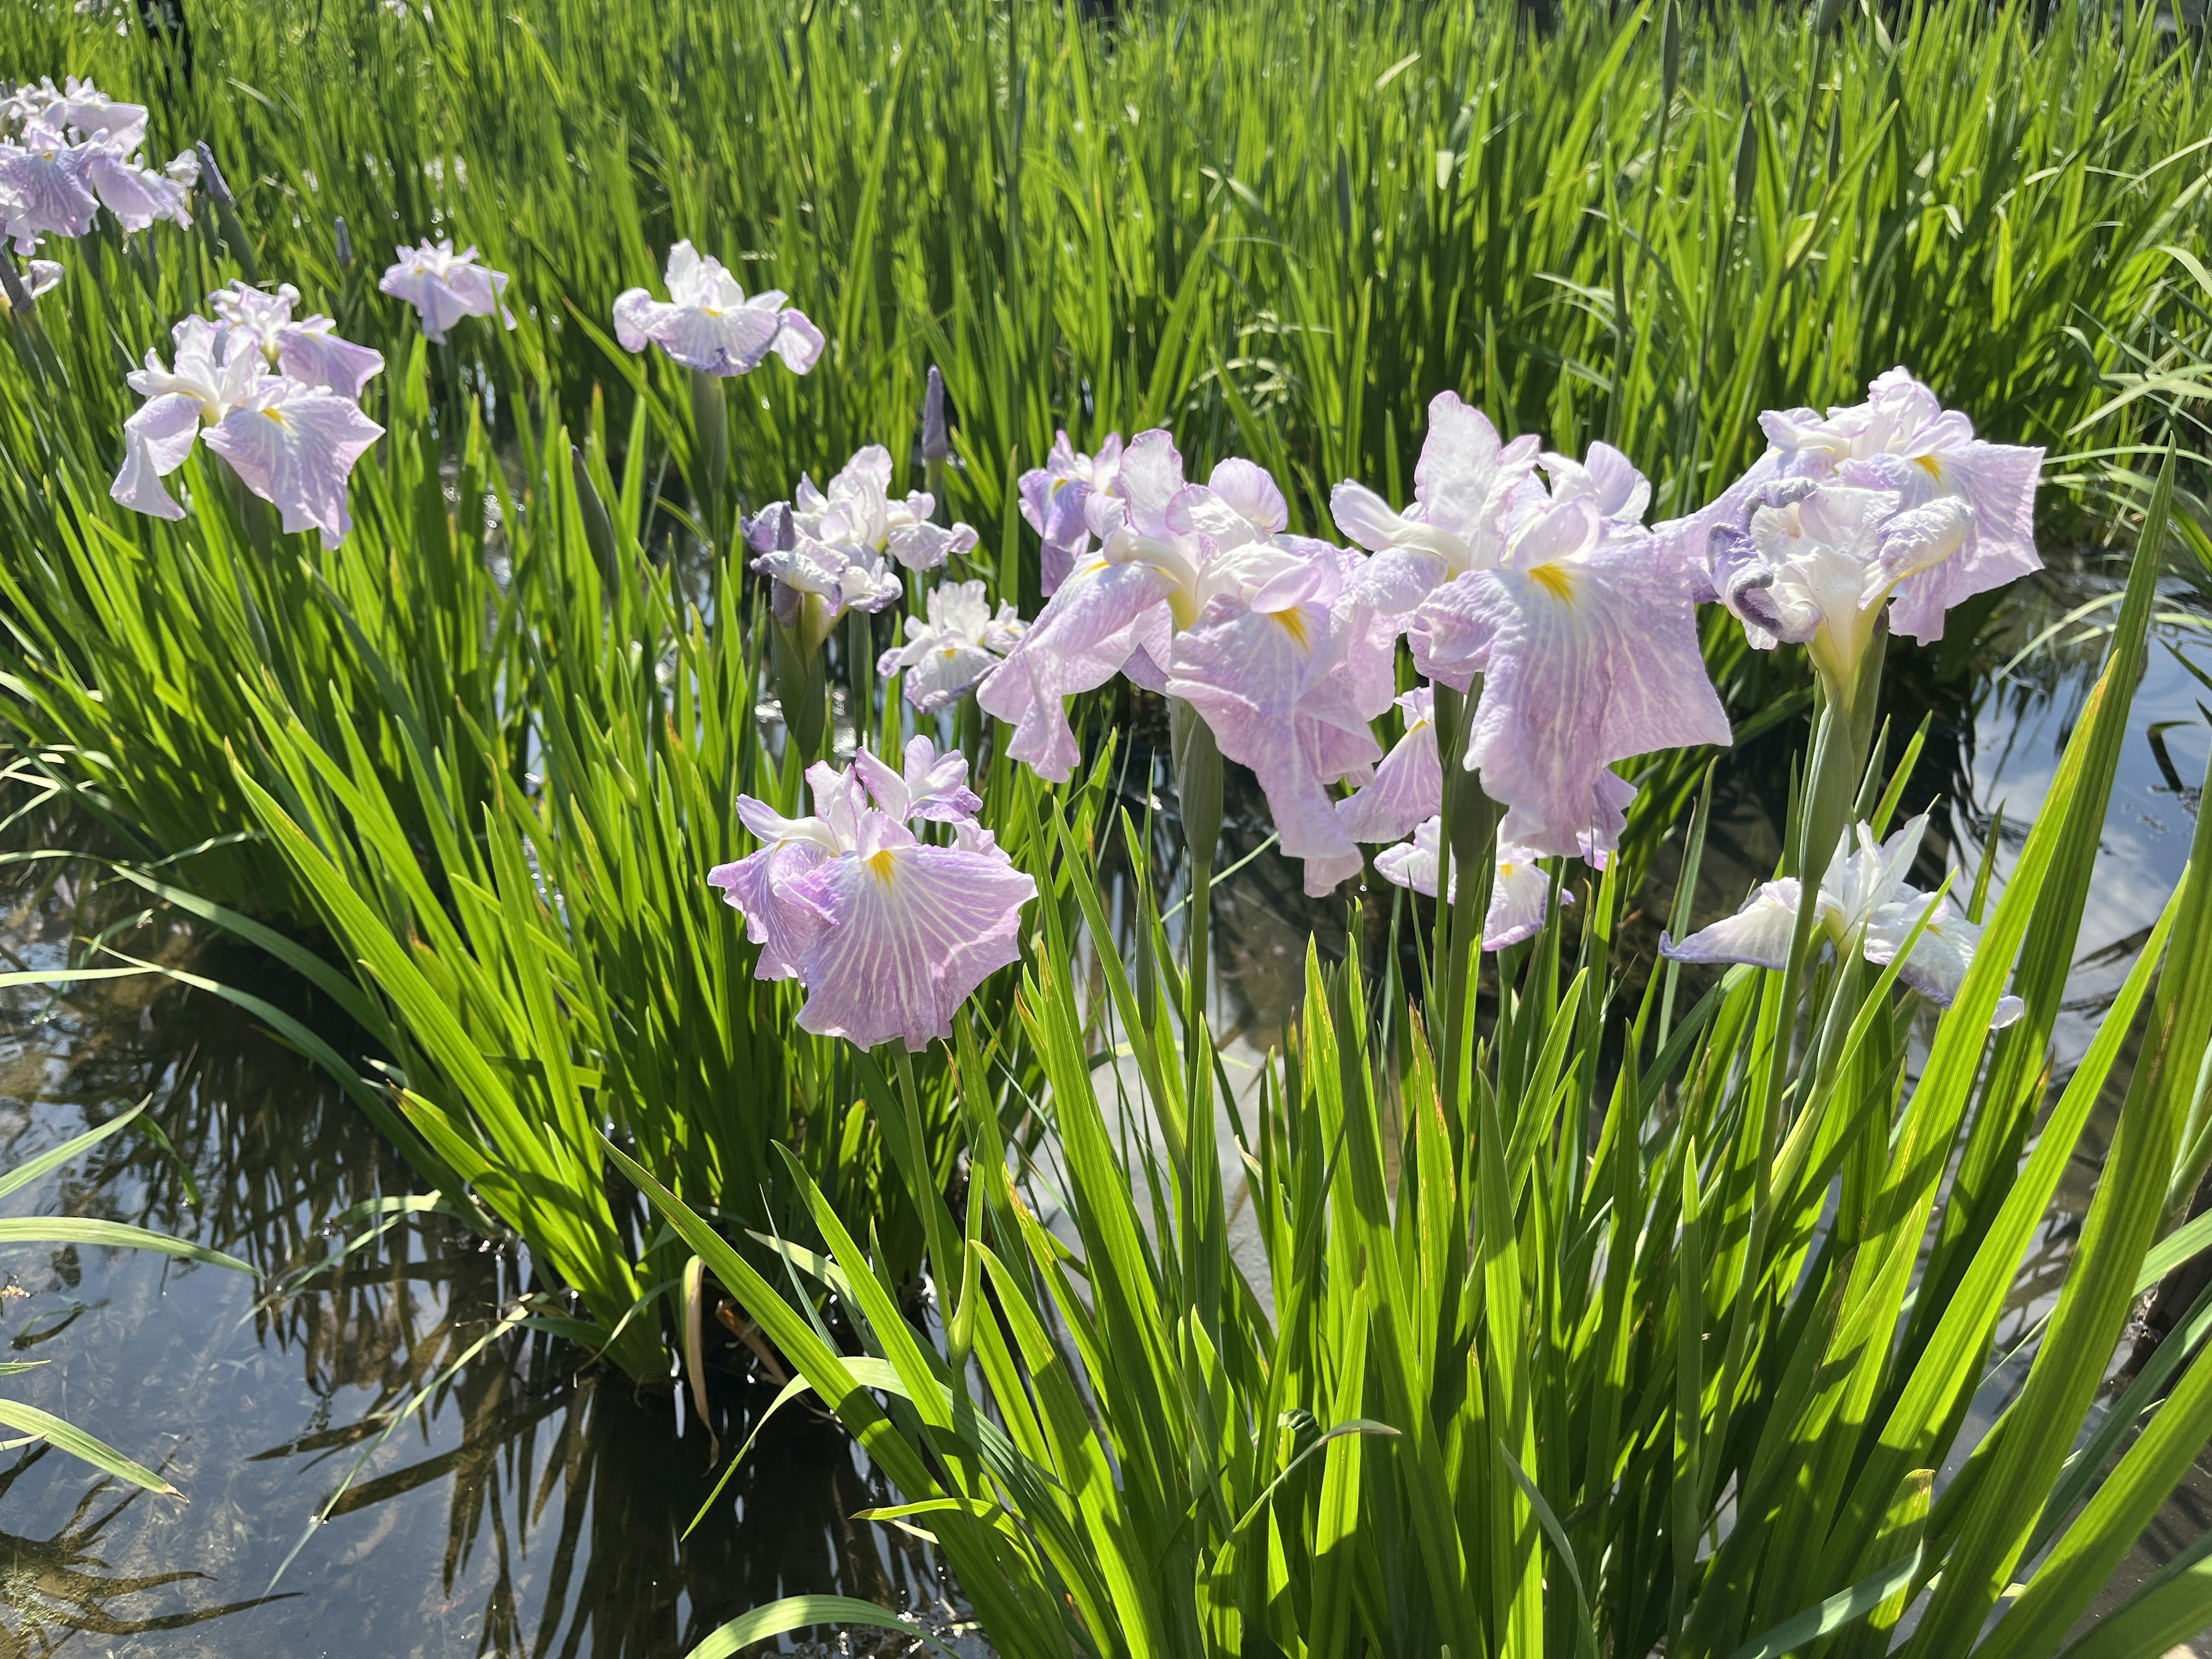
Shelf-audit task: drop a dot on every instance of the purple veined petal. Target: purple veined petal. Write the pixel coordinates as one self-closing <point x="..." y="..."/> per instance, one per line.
<point x="925" y="546"/>
<point x="1937" y="964"/>
<point x="797" y="341"/>
<point x="1151" y="477"/>
<point x="43" y="193"/>
<point x="295" y="445"/>
<point x="1520" y="894"/>
<point x="886" y="787"/>
<point x="317" y="357"/>
<point x="1080" y="641"/>
<point x="1413" y="864"/>
<point x="1742" y="580"/>
<point x="1586" y="662"/>
<point x="1393" y="583"/>
<point x="869" y="586"/>
<point x="1758" y="934"/>
<point x="1247" y="672"/>
<point x="912" y="930"/>
<point x="86" y="107"/>
<point x="1915" y="542"/>
<point x="841" y="800"/>
<point x="156" y="440"/>
<point x="1623" y="492"/>
<point x="1409" y="785"/>
<point x="1249" y="490"/>
<point x="135" y="195"/>
<point x="758" y="887"/>
<point x="937" y="785"/>
<point x="2000" y="547"/>
<point x="637" y="315"/>
<point x="715" y="343"/>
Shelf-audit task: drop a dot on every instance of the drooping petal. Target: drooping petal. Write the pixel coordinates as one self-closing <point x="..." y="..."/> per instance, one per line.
<point x="1937" y="965"/>
<point x="1080" y="641"/>
<point x="1585" y="662"/>
<point x="637" y="315"/>
<point x="317" y="358"/>
<point x="758" y="887"/>
<point x="137" y="195"/>
<point x="1759" y="934"/>
<point x="1409" y="784"/>
<point x="911" y="931"/>
<point x="721" y="343"/>
<point x="295" y="445"/>
<point x="1519" y="895"/>
<point x="797" y="341"/>
<point x="1247" y="672"/>
<point x="156" y="440"/>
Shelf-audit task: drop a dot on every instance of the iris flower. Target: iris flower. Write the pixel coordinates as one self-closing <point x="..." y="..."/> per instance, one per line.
<point x="290" y="442"/>
<point x="1958" y="519"/>
<point x="303" y="349"/>
<point x="1864" y="900"/>
<point x="1518" y="893"/>
<point x="707" y="322"/>
<point x="1053" y="499"/>
<point x="38" y="277"/>
<point x="833" y="543"/>
<point x="960" y="643"/>
<point x="1198" y="591"/>
<point x="1586" y="637"/>
<point x="888" y="934"/>
<point x="78" y="151"/>
<point x="444" y="286"/>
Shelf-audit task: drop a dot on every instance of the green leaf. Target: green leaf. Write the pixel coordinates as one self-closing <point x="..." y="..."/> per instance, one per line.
<point x="796" y="1612"/>
<point x="77" y="1443"/>
<point x="79" y="1230"/>
<point x="1831" y="1615"/>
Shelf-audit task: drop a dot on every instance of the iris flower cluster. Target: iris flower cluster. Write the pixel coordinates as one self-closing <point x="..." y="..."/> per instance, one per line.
<point x="1525" y="580"/>
<point x="277" y="396"/>
<point x="65" y="155"/>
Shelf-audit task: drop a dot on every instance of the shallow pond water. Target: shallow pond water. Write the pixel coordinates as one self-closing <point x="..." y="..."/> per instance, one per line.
<point x="530" y="1504"/>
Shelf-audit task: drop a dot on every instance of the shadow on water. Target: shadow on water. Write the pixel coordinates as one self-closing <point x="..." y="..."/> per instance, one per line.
<point x="534" y="1505"/>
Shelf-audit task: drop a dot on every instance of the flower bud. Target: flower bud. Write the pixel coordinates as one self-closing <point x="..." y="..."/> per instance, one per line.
<point x="345" y="245"/>
<point x="935" y="443"/>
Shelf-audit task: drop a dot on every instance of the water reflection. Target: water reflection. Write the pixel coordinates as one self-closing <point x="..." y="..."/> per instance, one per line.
<point x="532" y="1505"/>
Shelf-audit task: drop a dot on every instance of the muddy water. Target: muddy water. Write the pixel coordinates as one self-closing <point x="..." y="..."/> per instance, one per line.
<point x="517" y="1505"/>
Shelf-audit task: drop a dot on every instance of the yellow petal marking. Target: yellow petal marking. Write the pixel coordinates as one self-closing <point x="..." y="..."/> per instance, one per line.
<point x="1557" y="579"/>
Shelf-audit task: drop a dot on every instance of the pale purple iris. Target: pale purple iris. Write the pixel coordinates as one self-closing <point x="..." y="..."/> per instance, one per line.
<point x="1957" y="517"/>
<point x="837" y="544"/>
<point x="889" y="933"/>
<point x="1198" y="591"/>
<point x="1864" y="900"/>
<point x="1519" y="892"/>
<point x="707" y="322"/>
<point x="1054" y="497"/>
<point x="961" y="642"/>
<point x="291" y="442"/>
<point x="1586" y="637"/>
<point x="74" y="152"/>
<point x="303" y="349"/>
<point x="444" y="287"/>
<point x="1409" y="784"/>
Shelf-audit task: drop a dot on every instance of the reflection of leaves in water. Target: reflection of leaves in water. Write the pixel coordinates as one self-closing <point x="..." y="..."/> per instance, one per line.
<point x="36" y="1330"/>
<point x="54" y="1586"/>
